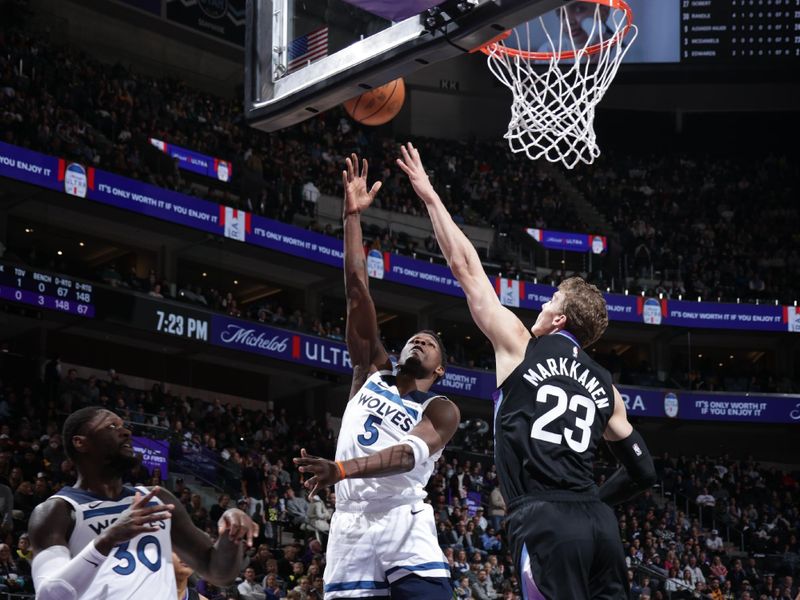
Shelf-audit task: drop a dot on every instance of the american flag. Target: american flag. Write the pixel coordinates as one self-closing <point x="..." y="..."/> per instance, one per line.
<point x="307" y="48"/>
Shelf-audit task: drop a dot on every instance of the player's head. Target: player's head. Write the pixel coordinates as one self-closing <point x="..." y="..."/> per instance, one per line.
<point x="98" y="436"/>
<point x="577" y="307"/>
<point x="424" y="356"/>
<point x="575" y="15"/>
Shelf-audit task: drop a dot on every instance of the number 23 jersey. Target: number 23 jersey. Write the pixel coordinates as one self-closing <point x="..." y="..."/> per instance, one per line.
<point x="377" y="417"/>
<point x="549" y="417"/>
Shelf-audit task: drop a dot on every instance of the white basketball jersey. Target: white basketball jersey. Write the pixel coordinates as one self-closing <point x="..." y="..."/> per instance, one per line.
<point x="140" y="568"/>
<point x="377" y="417"/>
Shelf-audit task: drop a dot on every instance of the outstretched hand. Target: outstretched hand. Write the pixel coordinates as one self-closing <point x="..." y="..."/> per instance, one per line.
<point x="238" y="525"/>
<point x="411" y="165"/>
<point x="325" y="472"/>
<point x="356" y="196"/>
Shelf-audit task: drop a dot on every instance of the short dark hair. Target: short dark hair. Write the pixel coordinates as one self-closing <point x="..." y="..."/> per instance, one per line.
<point x="440" y="343"/>
<point x="74" y="424"/>
<point x="585" y="309"/>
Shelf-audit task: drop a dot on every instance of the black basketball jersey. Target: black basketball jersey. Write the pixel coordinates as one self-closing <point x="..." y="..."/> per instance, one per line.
<point x="549" y="416"/>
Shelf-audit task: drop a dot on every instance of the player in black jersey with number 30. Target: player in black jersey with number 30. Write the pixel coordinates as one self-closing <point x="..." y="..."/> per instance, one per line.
<point x="552" y="407"/>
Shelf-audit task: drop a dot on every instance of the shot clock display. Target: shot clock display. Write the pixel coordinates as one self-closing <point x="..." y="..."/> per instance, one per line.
<point x="46" y="290"/>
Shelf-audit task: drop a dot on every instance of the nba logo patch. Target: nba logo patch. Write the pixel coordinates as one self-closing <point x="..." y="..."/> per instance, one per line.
<point x="375" y="264"/>
<point x="651" y="312"/>
<point x="671" y="405"/>
<point x="75" y="180"/>
<point x="574" y="352"/>
<point x="637" y="450"/>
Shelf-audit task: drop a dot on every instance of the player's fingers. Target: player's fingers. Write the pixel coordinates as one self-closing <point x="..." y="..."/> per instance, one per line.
<point x="152" y="510"/>
<point x="402" y="166"/>
<point x="141" y="501"/>
<point x="354" y="158"/>
<point x="406" y="155"/>
<point x="344" y="178"/>
<point x="313" y="491"/>
<point x="154" y="518"/>
<point x="375" y="187"/>
<point x="224" y="523"/>
<point x="235" y="532"/>
<point x="303" y="453"/>
<point x="252" y="531"/>
<point x="364" y="168"/>
<point x="349" y="164"/>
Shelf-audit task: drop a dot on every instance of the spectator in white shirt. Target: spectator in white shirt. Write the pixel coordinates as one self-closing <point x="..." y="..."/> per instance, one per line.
<point x="249" y="589"/>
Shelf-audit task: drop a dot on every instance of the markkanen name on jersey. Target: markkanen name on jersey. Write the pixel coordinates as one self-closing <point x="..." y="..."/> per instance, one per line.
<point x="555" y="368"/>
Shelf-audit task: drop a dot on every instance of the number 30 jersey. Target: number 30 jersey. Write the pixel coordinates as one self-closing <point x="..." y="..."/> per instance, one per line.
<point x="549" y="417"/>
<point x="140" y="568"/>
<point x="378" y="417"/>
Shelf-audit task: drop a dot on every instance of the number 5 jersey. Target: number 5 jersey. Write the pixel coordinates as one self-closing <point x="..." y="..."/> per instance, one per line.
<point x="378" y="417"/>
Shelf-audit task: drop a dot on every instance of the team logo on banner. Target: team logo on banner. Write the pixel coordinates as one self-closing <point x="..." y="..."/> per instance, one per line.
<point x="223" y="170"/>
<point x="671" y="405"/>
<point x="598" y="244"/>
<point x="375" y="264"/>
<point x="509" y="291"/>
<point x="236" y="222"/>
<point x="791" y="316"/>
<point x="651" y="312"/>
<point x="75" y="180"/>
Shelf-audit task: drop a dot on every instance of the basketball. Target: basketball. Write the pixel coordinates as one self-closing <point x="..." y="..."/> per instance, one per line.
<point x="378" y="106"/>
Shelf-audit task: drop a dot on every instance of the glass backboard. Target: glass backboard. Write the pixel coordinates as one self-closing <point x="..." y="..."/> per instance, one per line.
<point x="306" y="56"/>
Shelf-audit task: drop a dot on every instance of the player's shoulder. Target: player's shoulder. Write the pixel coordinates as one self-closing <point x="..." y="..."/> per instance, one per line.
<point x="53" y="517"/>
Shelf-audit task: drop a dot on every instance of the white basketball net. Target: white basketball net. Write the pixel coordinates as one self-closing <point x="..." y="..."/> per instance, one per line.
<point x="552" y="115"/>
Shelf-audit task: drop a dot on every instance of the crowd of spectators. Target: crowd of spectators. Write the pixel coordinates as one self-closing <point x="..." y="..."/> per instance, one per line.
<point x="720" y="527"/>
<point x="709" y="226"/>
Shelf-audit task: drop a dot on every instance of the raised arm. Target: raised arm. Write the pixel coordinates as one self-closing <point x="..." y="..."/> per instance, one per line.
<point x="363" y="339"/>
<point x="507" y="333"/>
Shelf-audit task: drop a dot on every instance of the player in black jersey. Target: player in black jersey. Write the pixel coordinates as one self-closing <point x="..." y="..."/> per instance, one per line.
<point x="552" y="407"/>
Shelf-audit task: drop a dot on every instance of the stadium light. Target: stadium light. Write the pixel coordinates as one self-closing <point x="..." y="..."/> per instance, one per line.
<point x="680" y="296"/>
<point x="660" y="295"/>
<point x="626" y="292"/>
<point x="699" y="299"/>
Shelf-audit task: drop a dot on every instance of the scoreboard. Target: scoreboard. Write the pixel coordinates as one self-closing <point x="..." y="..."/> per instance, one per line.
<point x="739" y="30"/>
<point x="46" y="290"/>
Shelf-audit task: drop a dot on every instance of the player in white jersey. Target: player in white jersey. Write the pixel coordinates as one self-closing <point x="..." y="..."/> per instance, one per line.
<point x="100" y="540"/>
<point x="383" y="539"/>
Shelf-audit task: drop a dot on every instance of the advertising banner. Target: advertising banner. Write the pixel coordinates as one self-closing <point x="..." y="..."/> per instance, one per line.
<point x="113" y="190"/>
<point x="155" y="453"/>
<point x="202" y="164"/>
<point x="571" y="242"/>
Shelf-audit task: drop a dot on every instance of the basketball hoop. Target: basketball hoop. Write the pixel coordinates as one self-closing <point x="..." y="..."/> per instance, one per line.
<point x="557" y="87"/>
